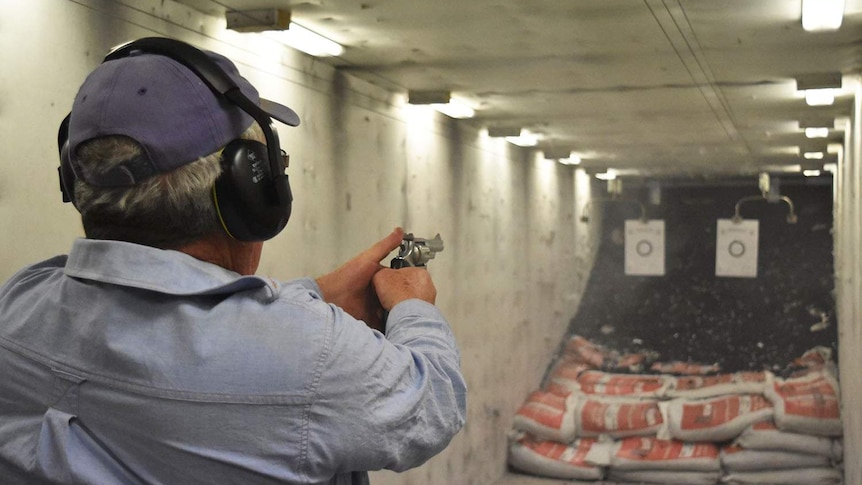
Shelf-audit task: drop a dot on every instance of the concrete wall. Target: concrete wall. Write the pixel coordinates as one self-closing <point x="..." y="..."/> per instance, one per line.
<point x="362" y="162"/>
<point x="848" y="264"/>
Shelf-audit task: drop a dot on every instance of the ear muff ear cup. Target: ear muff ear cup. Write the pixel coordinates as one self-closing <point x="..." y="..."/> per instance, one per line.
<point x="65" y="171"/>
<point x="67" y="176"/>
<point x="245" y="194"/>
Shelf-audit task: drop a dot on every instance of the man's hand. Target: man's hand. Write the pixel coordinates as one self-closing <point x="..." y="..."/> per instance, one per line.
<point x="396" y="285"/>
<point x="350" y="286"/>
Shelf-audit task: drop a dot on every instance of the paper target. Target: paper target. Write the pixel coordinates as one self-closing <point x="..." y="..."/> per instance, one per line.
<point x="736" y="248"/>
<point x="644" y="244"/>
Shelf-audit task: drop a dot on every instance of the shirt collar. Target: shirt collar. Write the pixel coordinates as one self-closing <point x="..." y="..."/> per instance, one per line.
<point x="161" y="270"/>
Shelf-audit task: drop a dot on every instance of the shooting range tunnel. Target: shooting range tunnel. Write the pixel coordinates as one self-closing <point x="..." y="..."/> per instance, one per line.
<point x="522" y="272"/>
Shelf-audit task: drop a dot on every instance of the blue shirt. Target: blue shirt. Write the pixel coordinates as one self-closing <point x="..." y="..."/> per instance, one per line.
<point x="121" y="363"/>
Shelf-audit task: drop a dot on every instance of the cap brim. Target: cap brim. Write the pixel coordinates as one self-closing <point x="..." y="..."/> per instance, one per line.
<point x="280" y="112"/>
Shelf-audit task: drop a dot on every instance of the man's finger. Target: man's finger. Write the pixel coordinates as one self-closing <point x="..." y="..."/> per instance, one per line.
<point x="385" y="246"/>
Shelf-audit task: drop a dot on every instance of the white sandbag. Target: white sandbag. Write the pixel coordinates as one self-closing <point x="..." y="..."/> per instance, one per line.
<point x="565" y="376"/>
<point x="680" y="368"/>
<point x="554" y="460"/>
<point x="799" y="476"/>
<point x="625" y="385"/>
<point x="766" y="436"/>
<point x="838" y="450"/>
<point x="818" y="359"/>
<point x="616" y="418"/>
<point x="808" y="405"/>
<point x="716" y="419"/>
<point x="699" y="387"/>
<point x="649" y="453"/>
<point x="664" y="477"/>
<point x="738" y="459"/>
<point x="547" y="416"/>
<point x="579" y="349"/>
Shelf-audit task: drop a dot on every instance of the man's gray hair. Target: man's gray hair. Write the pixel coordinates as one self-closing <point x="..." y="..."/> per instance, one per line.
<point x="165" y="211"/>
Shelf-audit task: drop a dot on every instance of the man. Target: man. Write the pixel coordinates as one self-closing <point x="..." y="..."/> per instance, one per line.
<point x="152" y="354"/>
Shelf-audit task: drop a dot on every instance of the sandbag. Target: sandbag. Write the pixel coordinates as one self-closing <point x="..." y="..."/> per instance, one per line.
<point x="664" y="477"/>
<point x="547" y="415"/>
<point x="766" y="436"/>
<point x="808" y="405"/>
<point x="626" y="385"/>
<point x="716" y="419"/>
<point x="565" y="376"/>
<point x="737" y="458"/>
<point x="554" y="460"/>
<point x="616" y="418"/>
<point x="579" y="349"/>
<point x="699" y="387"/>
<point x="649" y="453"/>
<point x="680" y="368"/>
<point x="799" y="476"/>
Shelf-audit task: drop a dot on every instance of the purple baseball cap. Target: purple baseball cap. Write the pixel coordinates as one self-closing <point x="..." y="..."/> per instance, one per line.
<point x="165" y="107"/>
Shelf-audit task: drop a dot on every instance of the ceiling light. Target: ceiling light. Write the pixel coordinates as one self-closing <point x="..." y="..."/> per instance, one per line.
<point x="610" y="174"/>
<point x="311" y="43"/>
<point x="257" y="20"/>
<point x="525" y="139"/>
<point x="830" y="167"/>
<point x="819" y="88"/>
<point x="811" y="173"/>
<point x="562" y="155"/>
<point x="428" y="97"/>
<point x="455" y="109"/>
<point x="816" y="122"/>
<point x="813" y="155"/>
<point x="553" y="153"/>
<point x="503" y="131"/>
<point x="276" y="24"/>
<point x="820" y="97"/>
<point x="816" y="132"/>
<point x="819" y="15"/>
<point x="572" y="160"/>
<point x="442" y="102"/>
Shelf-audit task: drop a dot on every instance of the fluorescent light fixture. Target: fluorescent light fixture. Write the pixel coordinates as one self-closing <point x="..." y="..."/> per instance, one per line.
<point x="455" y="109"/>
<point x="820" y="97"/>
<point x="525" y="139"/>
<point x="813" y="155"/>
<point x="609" y="174"/>
<point x="819" y="87"/>
<point x="562" y="155"/>
<point x="503" y="131"/>
<point x="811" y="173"/>
<point x="311" y="43"/>
<point x="816" y="132"/>
<point x="820" y="15"/>
<point x="817" y="122"/>
<point x="276" y="24"/>
<point x="442" y="102"/>
<point x="556" y="153"/>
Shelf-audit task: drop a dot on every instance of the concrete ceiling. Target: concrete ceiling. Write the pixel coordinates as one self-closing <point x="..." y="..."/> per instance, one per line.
<point x="659" y="86"/>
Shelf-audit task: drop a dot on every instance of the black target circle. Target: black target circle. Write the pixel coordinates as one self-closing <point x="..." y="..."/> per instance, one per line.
<point x="644" y="248"/>
<point x="736" y="248"/>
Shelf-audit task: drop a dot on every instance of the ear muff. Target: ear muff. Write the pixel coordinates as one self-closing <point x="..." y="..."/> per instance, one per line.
<point x="65" y="171"/>
<point x="248" y="207"/>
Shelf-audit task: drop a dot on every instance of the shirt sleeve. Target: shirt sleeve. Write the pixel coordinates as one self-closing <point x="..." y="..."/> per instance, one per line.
<point x="387" y="402"/>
